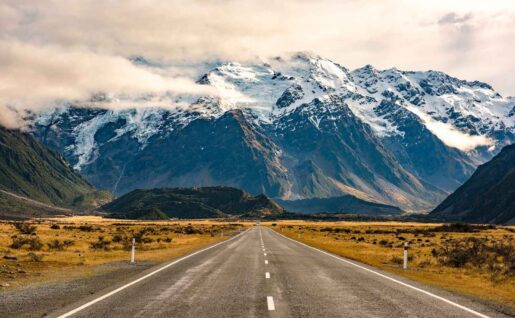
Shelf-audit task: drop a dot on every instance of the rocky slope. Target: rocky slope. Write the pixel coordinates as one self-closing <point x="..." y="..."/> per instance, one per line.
<point x="488" y="196"/>
<point x="190" y="203"/>
<point x="294" y="127"/>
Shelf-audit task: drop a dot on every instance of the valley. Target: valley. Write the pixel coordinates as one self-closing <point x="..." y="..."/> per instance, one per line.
<point x="260" y="159"/>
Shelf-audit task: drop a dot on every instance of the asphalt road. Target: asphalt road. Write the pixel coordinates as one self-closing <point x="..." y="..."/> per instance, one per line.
<point x="263" y="274"/>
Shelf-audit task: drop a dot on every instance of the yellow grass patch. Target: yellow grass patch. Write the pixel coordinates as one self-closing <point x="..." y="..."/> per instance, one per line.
<point x="82" y="244"/>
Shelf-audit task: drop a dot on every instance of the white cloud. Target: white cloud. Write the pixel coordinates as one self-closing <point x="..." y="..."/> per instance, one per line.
<point x="58" y="49"/>
<point x="450" y="135"/>
<point x="34" y="77"/>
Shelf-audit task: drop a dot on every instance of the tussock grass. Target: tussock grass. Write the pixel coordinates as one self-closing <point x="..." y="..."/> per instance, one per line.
<point x="49" y="249"/>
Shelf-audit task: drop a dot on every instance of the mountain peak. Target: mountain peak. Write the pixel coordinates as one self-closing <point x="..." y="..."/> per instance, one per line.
<point x="399" y="137"/>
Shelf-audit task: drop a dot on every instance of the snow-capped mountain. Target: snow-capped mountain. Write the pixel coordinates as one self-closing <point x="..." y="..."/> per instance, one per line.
<point x="296" y="127"/>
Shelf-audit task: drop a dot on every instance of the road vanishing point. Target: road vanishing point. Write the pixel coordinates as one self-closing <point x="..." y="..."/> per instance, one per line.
<point x="261" y="273"/>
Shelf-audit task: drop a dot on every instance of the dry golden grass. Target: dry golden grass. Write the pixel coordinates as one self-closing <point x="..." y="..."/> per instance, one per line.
<point x="424" y="267"/>
<point x="161" y="241"/>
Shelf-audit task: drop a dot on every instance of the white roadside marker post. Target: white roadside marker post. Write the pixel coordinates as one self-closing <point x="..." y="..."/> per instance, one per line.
<point x="405" y="266"/>
<point x="222" y="234"/>
<point x="133" y="251"/>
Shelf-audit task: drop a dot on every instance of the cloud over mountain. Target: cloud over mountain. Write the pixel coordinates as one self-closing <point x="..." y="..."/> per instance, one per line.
<point x="53" y="50"/>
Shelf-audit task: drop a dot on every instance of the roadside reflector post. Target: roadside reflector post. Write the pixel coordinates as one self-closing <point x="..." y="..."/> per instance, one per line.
<point x="133" y="251"/>
<point x="222" y="234"/>
<point x="405" y="266"/>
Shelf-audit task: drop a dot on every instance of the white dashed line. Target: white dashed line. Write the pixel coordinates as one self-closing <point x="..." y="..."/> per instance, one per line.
<point x="267" y="275"/>
<point x="264" y="253"/>
<point x="266" y="262"/>
<point x="270" y="302"/>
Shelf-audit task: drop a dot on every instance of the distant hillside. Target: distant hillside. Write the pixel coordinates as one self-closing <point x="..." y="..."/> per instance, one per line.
<point x="29" y="169"/>
<point x="342" y="204"/>
<point x="13" y="207"/>
<point x="488" y="196"/>
<point x="202" y="202"/>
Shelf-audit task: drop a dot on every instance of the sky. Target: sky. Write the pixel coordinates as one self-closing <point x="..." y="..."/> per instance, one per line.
<point x="67" y="50"/>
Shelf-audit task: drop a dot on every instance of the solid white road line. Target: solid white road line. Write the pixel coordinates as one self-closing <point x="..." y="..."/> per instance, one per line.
<point x="266" y="262"/>
<point x="270" y="302"/>
<point x="389" y="278"/>
<point x="267" y="275"/>
<point x="96" y="300"/>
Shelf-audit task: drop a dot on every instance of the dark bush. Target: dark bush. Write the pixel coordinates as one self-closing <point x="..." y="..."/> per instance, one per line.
<point x="59" y="245"/>
<point x="35" y="258"/>
<point x="25" y="228"/>
<point x="191" y="230"/>
<point x="87" y="228"/>
<point x="33" y="243"/>
<point x="497" y="258"/>
<point x="55" y="227"/>
<point x="383" y="242"/>
<point x="117" y="238"/>
<point x="101" y="244"/>
<point x="463" y="228"/>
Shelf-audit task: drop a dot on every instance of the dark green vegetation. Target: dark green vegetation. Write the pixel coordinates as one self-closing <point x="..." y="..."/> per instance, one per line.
<point x="488" y="196"/>
<point x="29" y="169"/>
<point x="342" y="204"/>
<point x="203" y="202"/>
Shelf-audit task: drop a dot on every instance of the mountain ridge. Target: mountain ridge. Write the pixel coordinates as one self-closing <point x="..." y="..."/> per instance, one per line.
<point x="304" y="126"/>
<point x="32" y="175"/>
<point x="344" y="204"/>
<point x="488" y="196"/>
<point x="197" y="202"/>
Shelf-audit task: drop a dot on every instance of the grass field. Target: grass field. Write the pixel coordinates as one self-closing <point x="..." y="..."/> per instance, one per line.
<point x="53" y="249"/>
<point x="479" y="262"/>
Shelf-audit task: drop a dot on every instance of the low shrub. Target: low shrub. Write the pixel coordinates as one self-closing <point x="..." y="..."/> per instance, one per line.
<point x="497" y="258"/>
<point x="463" y="228"/>
<point x="35" y="257"/>
<point x="59" y="245"/>
<point x="33" y="243"/>
<point x="25" y="228"/>
<point x="101" y="244"/>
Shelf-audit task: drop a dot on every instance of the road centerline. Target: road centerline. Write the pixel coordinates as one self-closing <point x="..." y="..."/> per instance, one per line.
<point x="270" y="303"/>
